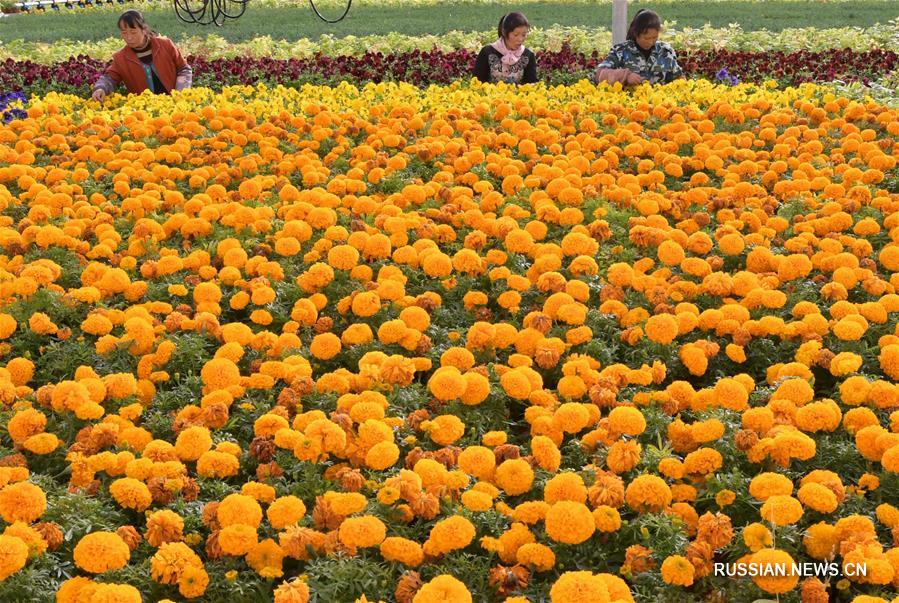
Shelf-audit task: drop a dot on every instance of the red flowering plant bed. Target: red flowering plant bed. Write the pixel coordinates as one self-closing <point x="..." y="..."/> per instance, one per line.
<point x="423" y="68"/>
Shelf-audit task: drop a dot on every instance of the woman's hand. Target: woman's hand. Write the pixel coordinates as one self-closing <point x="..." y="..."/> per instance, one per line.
<point x="99" y="95"/>
<point x="633" y="78"/>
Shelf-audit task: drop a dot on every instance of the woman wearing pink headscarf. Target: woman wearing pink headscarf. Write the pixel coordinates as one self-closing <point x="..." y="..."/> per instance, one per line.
<point x="507" y="60"/>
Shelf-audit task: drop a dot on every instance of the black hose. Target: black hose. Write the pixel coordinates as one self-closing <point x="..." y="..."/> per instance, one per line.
<point x="209" y="11"/>
<point x="338" y="19"/>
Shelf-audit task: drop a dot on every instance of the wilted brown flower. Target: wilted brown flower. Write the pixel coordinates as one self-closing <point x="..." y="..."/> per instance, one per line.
<point x="745" y="439"/>
<point x="213" y="550"/>
<point x="130" y="535"/>
<point x="425" y="505"/>
<point x="324" y="517"/>
<point x="51" y="533"/>
<point x="505" y="452"/>
<point x="161" y="491"/>
<point x="507" y="580"/>
<point x="351" y="480"/>
<point x="416" y="417"/>
<point x="210" y="516"/>
<point x="407" y="586"/>
<point x="263" y="449"/>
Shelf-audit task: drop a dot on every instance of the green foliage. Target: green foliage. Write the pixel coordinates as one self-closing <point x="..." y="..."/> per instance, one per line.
<point x="343" y="579"/>
<point x="38" y="581"/>
<point x="79" y="514"/>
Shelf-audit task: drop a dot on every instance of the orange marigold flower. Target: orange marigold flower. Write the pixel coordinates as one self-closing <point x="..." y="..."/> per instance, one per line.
<point x="164" y="526"/>
<point x="294" y="591"/>
<point x="662" y="328"/>
<point x="579" y="587"/>
<point x="99" y="552"/>
<point x="627" y="420"/>
<point x="442" y="589"/>
<point x="515" y="476"/>
<point x="193" y="582"/>
<point x="781" y="510"/>
<point x="266" y="559"/>
<point x="648" y="493"/>
<point x="361" y="532"/>
<point x="239" y="509"/>
<point x="170" y="560"/>
<point x="769" y="580"/>
<point x="450" y="534"/>
<point x="131" y="493"/>
<point x="285" y="511"/>
<point x="405" y="551"/>
<point x="237" y="539"/>
<point x="677" y="570"/>
<point x="13" y="555"/>
<point x="569" y="522"/>
<point x="22" y="501"/>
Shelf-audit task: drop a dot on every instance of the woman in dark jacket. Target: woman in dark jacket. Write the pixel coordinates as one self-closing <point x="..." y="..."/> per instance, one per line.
<point x="507" y="60"/>
<point x="641" y="57"/>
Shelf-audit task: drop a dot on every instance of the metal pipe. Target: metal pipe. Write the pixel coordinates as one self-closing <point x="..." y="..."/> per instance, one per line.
<point x="619" y="21"/>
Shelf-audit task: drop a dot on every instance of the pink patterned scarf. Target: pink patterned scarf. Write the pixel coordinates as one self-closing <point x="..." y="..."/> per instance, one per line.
<point x="510" y="57"/>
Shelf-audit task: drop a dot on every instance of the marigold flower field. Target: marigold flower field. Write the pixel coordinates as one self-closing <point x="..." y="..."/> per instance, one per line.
<point x="460" y="343"/>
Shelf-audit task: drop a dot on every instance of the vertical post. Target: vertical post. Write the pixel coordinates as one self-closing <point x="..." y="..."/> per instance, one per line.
<point x="619" y="21"/>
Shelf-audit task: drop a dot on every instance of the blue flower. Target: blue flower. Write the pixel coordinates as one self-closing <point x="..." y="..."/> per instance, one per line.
<point x="8" y="113"/>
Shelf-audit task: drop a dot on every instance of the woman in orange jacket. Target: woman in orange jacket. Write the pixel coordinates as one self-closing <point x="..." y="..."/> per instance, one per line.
<point x="148" y="62"/>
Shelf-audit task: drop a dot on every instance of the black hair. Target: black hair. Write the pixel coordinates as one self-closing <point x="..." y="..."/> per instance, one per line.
<point x="510" y="22"/>
<point x="644" y="20"/>
<point x="134" y="18"/>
